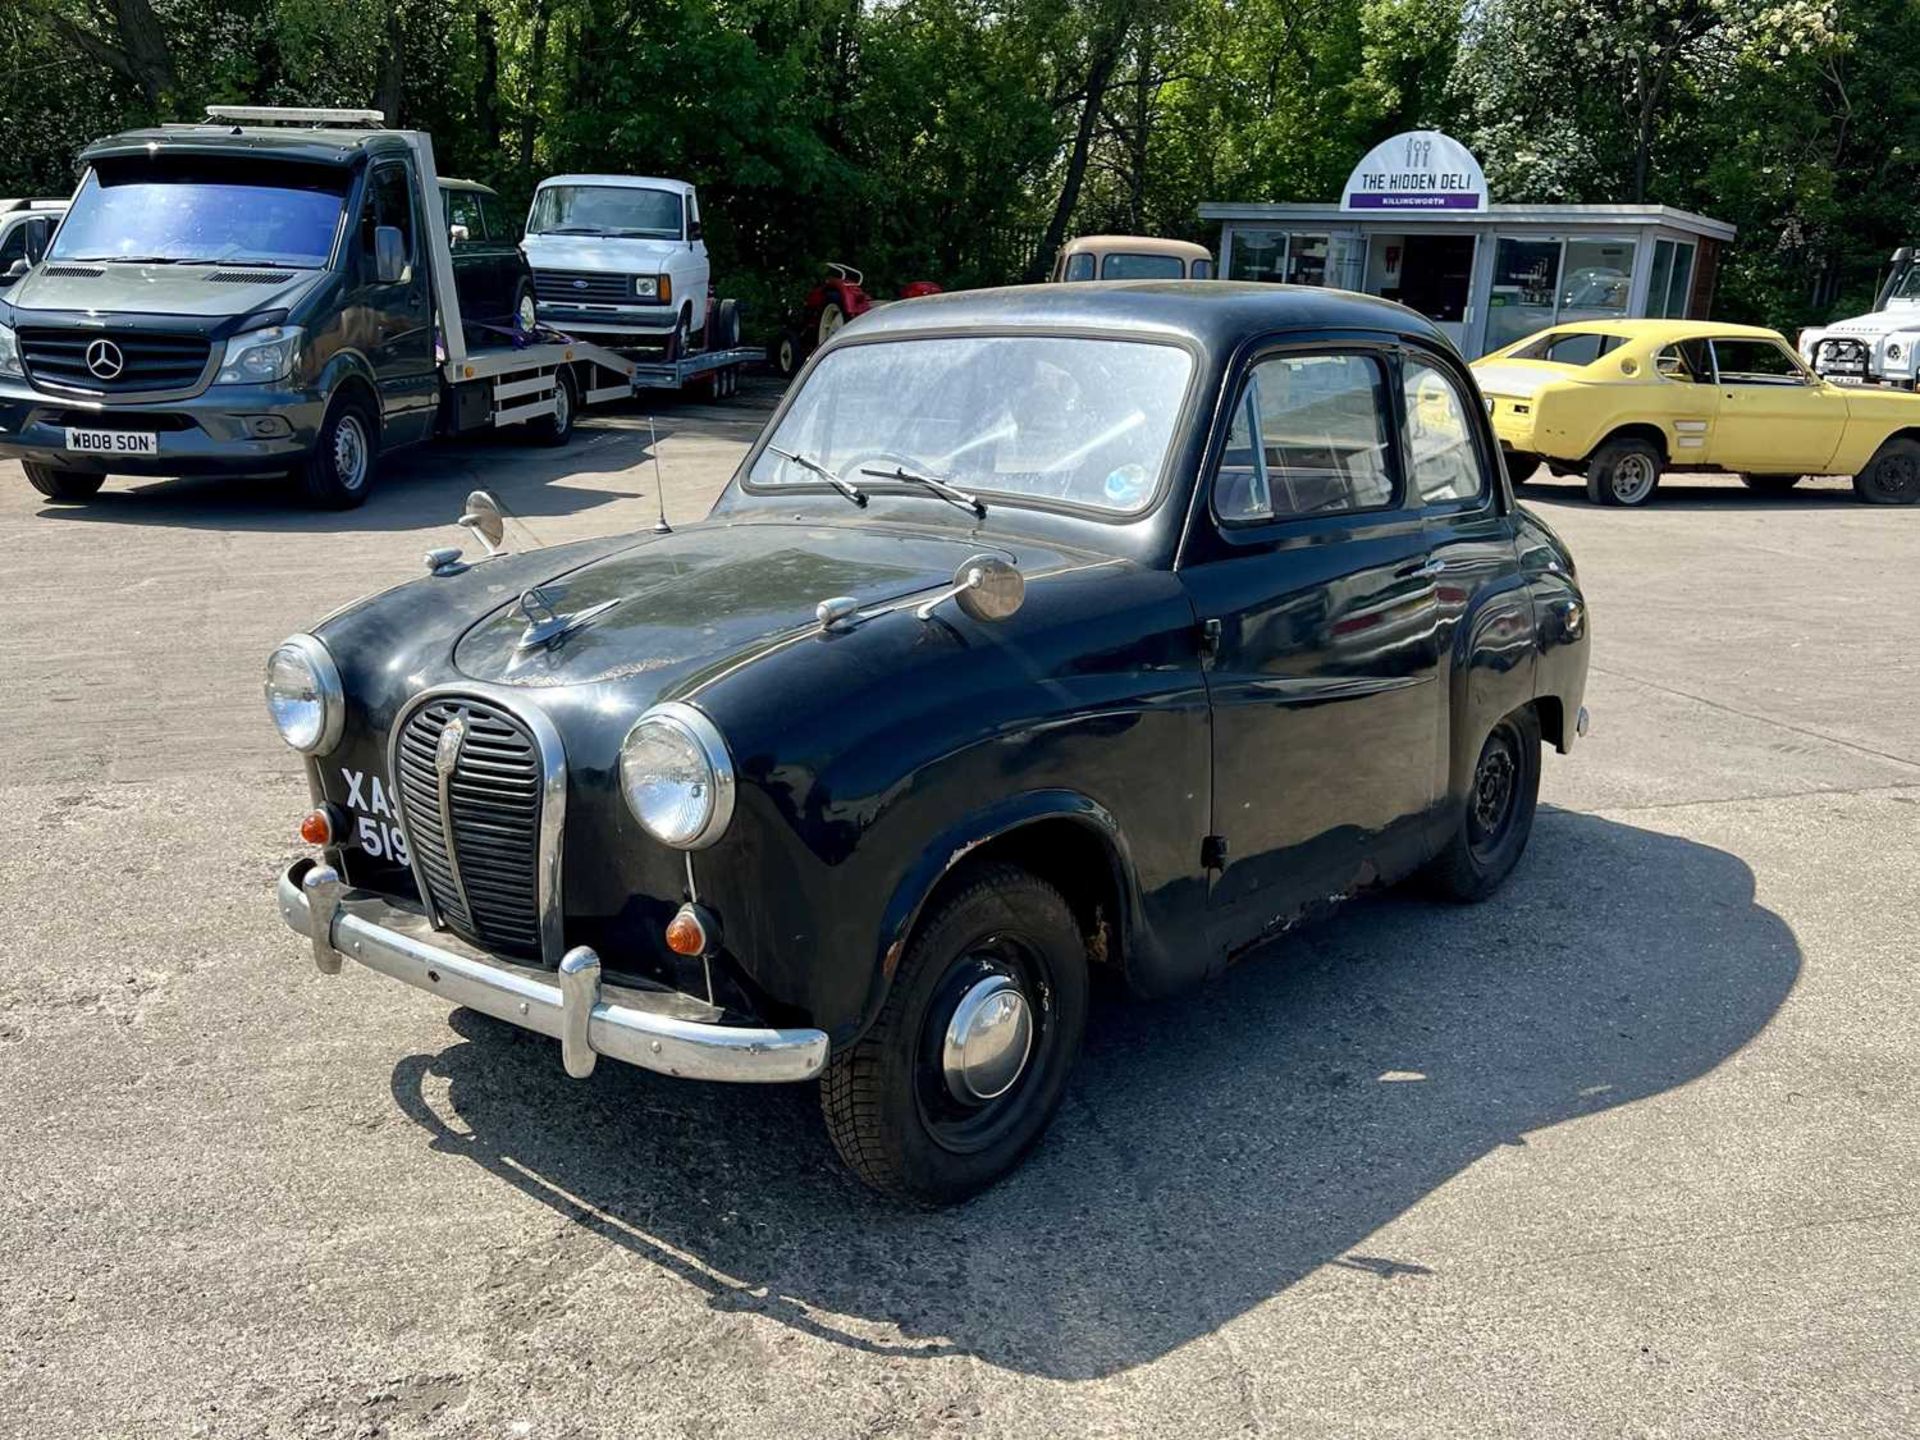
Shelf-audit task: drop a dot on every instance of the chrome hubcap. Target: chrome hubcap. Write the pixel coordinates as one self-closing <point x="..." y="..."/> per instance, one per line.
<point x="1632" y="478"/>
<point x="562" y="406"/>
<point x="350" y="453"/>
<point x="529" y="313"/>
<point x="987" y="1041"/>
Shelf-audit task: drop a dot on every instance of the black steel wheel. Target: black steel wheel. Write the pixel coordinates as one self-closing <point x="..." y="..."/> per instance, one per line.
<point x="1496" y="816"/>
<point x="966" y="1064"/>
<point x="1892" y="477"/>
<point x="68" y="487"/>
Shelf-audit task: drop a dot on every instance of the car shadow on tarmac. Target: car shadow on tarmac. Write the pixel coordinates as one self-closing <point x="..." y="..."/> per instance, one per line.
<point x="1212" y="1151"/>
<point x="1701" y="493"/>
<point x="422" y="487"/>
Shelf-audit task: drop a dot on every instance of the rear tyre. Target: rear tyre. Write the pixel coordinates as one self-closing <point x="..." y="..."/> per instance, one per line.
<point x="1892" y="477"/>
<point x="338" y="472"/>
<point x="1498" y="815"/>
<point x="557" y="428"/>
<point x="966" y="1064"/>
<point x="723" y="331"/>
<point x="1770" y="484"/>
<point x="63" y="487"/>
<point x="1623" y="472"/>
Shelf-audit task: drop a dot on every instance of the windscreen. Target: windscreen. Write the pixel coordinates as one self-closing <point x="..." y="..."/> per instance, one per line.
<point x="170" y="210"/>
<point x="1081" y="421"/>
<point x="1906" y="285"/>
<point x="606" y="210"/>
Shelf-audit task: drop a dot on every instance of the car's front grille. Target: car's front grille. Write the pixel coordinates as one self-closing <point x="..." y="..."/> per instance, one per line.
<point x="113" y="361"/>
<point x="561" y="287"/>
<point x="473" y="813"/>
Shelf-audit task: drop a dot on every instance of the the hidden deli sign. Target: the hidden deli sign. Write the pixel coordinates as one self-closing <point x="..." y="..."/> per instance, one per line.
<point x="1420" y="170"/>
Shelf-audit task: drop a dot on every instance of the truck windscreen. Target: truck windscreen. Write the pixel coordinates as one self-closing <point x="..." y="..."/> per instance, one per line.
<point x="187" y="211"/>
<point x="606" y="210"/>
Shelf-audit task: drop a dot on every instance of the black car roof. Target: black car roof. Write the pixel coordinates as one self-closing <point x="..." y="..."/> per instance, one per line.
<point x="1215" y="314"/>
<point x="315" y="146"/>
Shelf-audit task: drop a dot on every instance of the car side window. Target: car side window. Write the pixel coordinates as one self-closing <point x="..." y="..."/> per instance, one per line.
<point x="388" y="202"/>
<point x="1079" y="267"/>
<point x="1202" y="270"/>
<point x="1686" y="361"/>
<point x="463" y="208"/>
<point x="1443" y="462"/>
<point x="39" y="235"/>
<point x="1756" y="362"/>
<point x="1308" y="437"/>
<point x="13" y="247"/>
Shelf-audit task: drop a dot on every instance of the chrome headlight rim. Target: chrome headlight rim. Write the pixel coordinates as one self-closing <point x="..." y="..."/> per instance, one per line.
<point x="694" y="726"/>
<point x="326" y="685"/>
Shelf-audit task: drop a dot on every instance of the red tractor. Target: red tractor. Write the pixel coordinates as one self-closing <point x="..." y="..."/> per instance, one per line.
<point x="832" y="302"/>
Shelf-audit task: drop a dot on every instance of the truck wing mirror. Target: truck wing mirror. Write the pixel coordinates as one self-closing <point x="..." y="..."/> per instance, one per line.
<point x="389" y="255"/>
<point x="15" y="271"/>
<point x="458" y="234"/>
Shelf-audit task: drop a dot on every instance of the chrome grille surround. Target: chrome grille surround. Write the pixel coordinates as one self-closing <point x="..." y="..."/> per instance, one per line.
<point x="475" y="886"/>
<point x="585" y="287"/>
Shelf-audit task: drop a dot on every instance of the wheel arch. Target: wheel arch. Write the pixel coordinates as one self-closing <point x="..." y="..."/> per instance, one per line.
<point x="1067" y="839"/>
<point x="1634" y="430"/>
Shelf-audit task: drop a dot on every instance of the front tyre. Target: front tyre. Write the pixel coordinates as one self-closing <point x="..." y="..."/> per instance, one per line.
<point x="1892" y="477"/>
<point x="338" y="472"/>
<point x="526" y="308"/>
<point x="1623" y="472"/>
<point x="1498" y="816"/>
<point x="969" y="1059"/>
<point x="64" y="487"/>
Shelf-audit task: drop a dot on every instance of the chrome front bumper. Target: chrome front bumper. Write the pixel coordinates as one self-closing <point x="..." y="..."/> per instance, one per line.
<point x="588" y="1019"/>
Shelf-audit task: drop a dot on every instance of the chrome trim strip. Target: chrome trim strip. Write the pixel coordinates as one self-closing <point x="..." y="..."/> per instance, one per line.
<point x="444" y="764"/>
<point x="574" y="1011"/>
<point x="553" y="804"/>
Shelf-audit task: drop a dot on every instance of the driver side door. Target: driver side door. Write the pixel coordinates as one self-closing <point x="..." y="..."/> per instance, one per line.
<point x="1775" y="416"/>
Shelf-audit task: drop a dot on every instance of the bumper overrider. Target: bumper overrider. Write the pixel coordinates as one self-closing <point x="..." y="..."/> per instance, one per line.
<point x="589" y="1019"/>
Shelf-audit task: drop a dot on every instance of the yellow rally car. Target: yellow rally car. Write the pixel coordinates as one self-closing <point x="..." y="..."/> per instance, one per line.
<point x="1623" y="400"/>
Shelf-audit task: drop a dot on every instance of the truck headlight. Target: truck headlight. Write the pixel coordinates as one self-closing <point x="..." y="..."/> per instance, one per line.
<point x="304" y="695"/>
<point x="260" y="357"/>
<point x="677" y="776"/>
<point x="653" y="287"/>
<point x="10" y="353"/>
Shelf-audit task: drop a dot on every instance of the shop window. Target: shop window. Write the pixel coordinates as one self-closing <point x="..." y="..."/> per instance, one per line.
<point x="1670" y="283"/>
<point x="1307" y="259"/>
<point x="1309" y="437"/>
<point x="1258" y="254"/>
<point x="1526" y="287"/>
<point x="1441" y="460"/>
<point x="1597" y="277"/>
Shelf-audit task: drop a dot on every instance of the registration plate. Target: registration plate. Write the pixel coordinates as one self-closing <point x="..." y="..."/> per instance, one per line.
<point x="113" y="442"/>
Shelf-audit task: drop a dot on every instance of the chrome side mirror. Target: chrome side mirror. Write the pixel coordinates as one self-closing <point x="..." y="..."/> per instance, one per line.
<point x="985" y="587"/>
<point x="458" y="235"/>
<point x="485" y="520"/>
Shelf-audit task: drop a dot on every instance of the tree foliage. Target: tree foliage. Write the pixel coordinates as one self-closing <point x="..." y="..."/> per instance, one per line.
<point x="963" y="139"/>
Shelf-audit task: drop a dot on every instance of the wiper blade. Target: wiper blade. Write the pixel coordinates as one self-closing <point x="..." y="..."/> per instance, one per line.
<point x="952" y="494"/>
<point x="139" y="260"/>
<point x="852" y="492"/>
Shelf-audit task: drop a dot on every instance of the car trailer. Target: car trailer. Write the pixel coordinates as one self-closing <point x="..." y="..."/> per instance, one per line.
<point x="719" y="367"/>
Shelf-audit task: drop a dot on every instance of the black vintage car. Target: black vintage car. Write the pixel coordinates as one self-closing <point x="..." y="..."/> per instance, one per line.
<point x="1076" y="626"/>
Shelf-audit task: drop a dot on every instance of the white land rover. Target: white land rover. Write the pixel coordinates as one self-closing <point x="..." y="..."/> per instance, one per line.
<point x="1881" y="348"/>
<point x="618" y="260"/>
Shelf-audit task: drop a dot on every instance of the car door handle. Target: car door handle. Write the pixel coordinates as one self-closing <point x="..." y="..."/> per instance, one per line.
<point x="1433" y="566"/>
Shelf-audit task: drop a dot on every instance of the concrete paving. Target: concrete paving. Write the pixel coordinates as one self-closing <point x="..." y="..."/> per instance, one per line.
<point x="1629" y="1150"/>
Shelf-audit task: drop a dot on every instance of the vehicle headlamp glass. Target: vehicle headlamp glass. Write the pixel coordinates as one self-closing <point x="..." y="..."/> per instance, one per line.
<point x="9" y="352"/>
<point x="647" y="287"/>
<point x="677" y="776"/>
<point x="260" y="357"/>
<point x="304" y="695"/>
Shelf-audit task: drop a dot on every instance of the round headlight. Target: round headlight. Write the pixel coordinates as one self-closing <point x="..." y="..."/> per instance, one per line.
<point x="677" y="776"/>
<point x="304" y="695"/>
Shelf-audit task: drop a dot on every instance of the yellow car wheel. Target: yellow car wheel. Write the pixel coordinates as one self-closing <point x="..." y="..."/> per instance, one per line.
<point x="1623" y="472"/>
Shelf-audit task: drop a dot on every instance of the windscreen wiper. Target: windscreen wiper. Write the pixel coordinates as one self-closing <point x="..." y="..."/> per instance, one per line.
<point x="852" y="492"/>
<point x="952" y="494"/>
